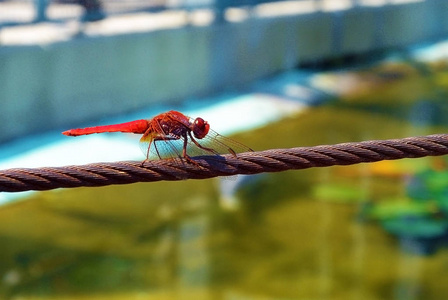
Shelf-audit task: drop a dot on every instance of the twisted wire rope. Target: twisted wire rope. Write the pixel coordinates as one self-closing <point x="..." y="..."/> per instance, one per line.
<point x="274" y="160"/>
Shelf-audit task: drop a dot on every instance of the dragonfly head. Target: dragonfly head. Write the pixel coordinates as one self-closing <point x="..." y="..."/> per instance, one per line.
<point x="200" y="128"/>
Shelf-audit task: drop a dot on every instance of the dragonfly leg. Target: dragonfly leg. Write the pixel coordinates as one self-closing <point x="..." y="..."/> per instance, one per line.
<point x="184" y="149"/>
<point x="155" y="147"/>
<point x="147" y="155"/>
<point x="185" y="155"/>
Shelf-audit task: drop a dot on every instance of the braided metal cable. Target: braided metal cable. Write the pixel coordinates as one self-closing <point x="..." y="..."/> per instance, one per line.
<point x="275" y="160"/>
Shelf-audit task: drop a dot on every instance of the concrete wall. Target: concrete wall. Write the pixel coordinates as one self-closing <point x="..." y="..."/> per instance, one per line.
<point x="53" y="86"/>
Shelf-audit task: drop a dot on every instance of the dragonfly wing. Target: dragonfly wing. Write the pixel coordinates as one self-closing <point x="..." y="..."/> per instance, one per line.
<point x="218" y="143"/>
<point x="156" y="146"/>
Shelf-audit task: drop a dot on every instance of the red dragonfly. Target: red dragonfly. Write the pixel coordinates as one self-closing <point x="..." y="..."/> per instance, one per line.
<point x="171" y="135"/>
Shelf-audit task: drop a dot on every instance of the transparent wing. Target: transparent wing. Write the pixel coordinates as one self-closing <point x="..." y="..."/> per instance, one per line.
<point x="218" y="143"/>
<point x="161" y="147"/>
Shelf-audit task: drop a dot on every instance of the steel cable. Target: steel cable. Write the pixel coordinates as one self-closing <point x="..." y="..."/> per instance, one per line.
<point x="275" y="160"/>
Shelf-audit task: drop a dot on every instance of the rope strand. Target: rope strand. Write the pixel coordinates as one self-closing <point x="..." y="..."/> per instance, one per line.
<point x="275" y="160"/>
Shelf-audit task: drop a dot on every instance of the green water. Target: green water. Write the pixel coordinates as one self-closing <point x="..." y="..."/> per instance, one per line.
<point x="311" y="234"/>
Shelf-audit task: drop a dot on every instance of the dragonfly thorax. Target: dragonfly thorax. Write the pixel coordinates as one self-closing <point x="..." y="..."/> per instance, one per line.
<point x="172" y="129"/>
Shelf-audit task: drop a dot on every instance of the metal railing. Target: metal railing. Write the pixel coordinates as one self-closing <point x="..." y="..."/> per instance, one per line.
<point x="22" y="12"/>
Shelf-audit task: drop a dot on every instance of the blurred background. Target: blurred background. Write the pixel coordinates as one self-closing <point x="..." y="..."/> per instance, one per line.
<point x="270" y="74"/>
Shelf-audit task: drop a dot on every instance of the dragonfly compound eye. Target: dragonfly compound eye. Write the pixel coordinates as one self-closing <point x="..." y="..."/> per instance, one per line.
<point x="200" y="128"/>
